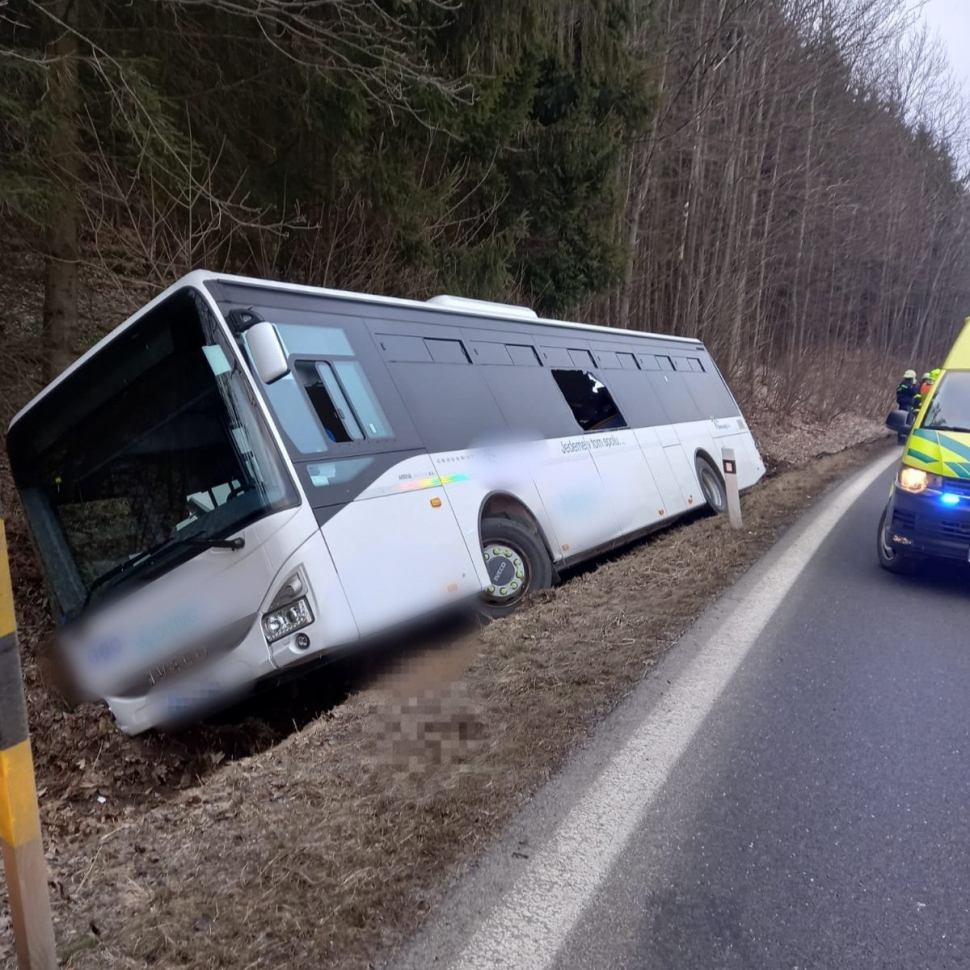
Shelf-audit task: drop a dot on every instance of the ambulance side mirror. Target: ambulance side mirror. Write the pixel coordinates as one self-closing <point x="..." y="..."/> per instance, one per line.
<point x="900" y="421"/>
<point x="266" y="350"/>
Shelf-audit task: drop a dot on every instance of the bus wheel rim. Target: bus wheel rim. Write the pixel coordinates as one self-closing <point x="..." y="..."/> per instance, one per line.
<point x="711" y="488"/>
<point x="508" y="572"/>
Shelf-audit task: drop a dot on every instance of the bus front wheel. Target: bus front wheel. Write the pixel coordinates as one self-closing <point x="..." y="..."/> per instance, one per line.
<point x="517" y="564"/>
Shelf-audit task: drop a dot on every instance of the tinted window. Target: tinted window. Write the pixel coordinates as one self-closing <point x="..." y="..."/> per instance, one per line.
<point x="709" y="391"/>
<point x="530" y="401"/>
<point x="337" y="472"/>
<point x="295" y="415"/>
<point x="627" y="361"/>
<point x="648" y="362"/>
<point x="362" y="399"/>
<point x="581" y="358"/>
<point x="664" y="363"/>
<point x="396" y="347"/>
<point x="450" y="405"/>
<point x="523" y="355"/>
<point x="556" y="357"/>
<point x="447" y="351"/>
<point x="589" y="399"/>
<point x="485" y="352"/>
<point x="325" y="341"/>
<point x="635" y="396"/>
<point x="607" y="360"/>
<point x="675" y="398"/>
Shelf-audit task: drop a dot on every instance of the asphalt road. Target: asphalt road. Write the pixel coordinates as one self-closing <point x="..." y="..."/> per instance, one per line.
<point x="819" y="816"/>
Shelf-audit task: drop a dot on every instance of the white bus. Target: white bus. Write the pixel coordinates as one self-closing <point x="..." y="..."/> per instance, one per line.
<point x="246" y="475"/>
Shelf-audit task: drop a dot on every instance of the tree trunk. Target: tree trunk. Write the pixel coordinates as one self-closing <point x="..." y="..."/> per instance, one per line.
<point x="60" y="283"/>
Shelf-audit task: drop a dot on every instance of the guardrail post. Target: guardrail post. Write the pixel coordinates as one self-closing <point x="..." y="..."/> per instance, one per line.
<point x="730" y="467"/>
<point x="23" y="853"/>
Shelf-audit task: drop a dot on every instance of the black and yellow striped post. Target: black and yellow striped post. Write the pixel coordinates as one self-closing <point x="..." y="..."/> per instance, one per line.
<point x="23" y="853"/>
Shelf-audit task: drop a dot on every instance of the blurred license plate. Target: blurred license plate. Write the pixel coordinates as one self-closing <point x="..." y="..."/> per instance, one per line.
<point x="190" y="660"/>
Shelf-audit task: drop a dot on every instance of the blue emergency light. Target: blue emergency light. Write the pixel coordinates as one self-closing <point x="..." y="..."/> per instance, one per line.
<point x="950" y="498"/>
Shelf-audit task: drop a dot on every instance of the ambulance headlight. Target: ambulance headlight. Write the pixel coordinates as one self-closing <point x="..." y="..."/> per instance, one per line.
<point x="286" y="620"/>
<point x="915" y="480"/>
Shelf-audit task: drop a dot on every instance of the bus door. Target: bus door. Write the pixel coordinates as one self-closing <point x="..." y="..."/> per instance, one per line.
<point x="398" y="549"/>
<point x="685" y="476"/>
<point x="675" y="399"/>
<point x="574" y="494"/>
<point x="668" y="483"/>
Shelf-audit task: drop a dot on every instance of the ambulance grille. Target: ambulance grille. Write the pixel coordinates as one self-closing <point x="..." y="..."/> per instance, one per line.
<point x="955" y="530"/>
<point x="904" y="520"/>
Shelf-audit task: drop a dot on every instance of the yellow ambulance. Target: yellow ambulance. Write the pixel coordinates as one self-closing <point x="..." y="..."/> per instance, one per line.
<point x="928" y="514"/>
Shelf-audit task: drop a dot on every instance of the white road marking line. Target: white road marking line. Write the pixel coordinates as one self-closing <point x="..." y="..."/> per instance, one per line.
<point x="527" y="929"/>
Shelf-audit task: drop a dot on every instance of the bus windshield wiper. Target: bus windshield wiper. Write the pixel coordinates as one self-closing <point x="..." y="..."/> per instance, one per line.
<point x="237" y="543"/>
<point x="175" y="542"/>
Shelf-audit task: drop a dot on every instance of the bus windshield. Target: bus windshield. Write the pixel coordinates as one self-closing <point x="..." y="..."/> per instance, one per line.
<point x="143" y="455"/>
<point x="950" y="408"/>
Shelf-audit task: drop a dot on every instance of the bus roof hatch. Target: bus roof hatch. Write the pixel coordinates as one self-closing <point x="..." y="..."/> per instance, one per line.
<point x="468" y="305"/>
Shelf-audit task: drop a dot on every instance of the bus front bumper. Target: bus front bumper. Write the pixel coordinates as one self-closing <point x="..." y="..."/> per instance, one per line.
<point x="217" y="683"/>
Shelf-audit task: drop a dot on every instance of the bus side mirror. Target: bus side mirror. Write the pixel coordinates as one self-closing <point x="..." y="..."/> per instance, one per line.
<point x="900" y="421"/>
<point x="267" y="352"/>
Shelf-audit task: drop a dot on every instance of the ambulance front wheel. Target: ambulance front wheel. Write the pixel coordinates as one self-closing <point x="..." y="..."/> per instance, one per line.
<point x="889" y="556"/>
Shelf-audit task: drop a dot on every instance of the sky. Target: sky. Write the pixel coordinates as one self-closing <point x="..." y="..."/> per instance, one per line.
<point x="951" y="20"/>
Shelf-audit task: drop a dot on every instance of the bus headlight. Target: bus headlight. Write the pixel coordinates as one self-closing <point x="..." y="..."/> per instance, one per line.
<point x="915" y="480"/>
<point x="286" y="620"/>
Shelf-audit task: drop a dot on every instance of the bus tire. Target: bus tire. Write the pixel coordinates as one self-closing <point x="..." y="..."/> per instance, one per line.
<point x="517" y="564"/>
<point x="712" y="485"/>
<point x="889" y="558"/>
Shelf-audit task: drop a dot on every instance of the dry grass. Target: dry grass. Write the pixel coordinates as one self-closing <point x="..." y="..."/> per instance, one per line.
<point x="330" y="846"/>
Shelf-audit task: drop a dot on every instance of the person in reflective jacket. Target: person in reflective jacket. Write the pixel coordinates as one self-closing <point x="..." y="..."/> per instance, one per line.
<point x="907" y="391"/>
<point x="924" y="388"/>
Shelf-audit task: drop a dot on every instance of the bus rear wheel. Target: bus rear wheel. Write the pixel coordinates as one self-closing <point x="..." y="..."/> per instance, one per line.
<point x="712" y="485"/>
<point x="517" y="564"/>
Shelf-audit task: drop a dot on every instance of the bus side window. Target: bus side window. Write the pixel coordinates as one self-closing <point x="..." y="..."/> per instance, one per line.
<point x="362" y="399"/>
<point x="589" y="399"/>
<point x="582" y="358"/>
<point x="343" y="400"/>
<point x="447" y="351"/>
<point x="329" y="402"/>
<point x="523" y="355"/>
